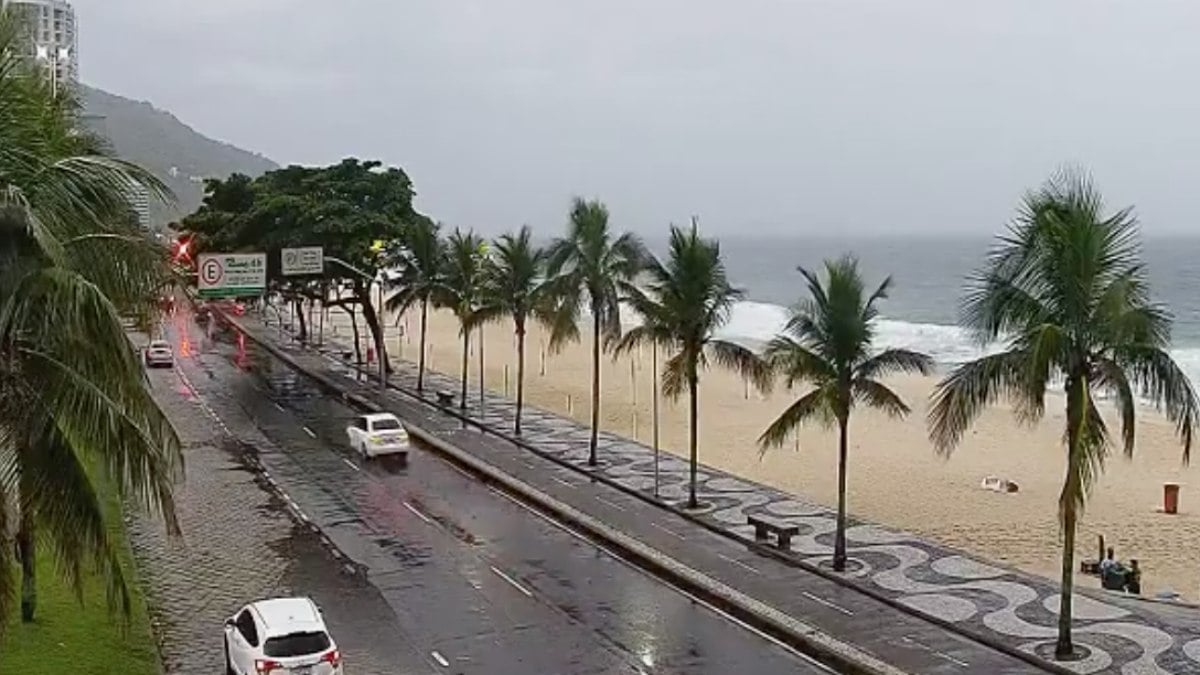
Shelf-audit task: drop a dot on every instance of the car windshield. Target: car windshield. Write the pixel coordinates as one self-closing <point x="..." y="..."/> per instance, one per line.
<point x="296" y="644"/>
<point x="385" y="425"/>
<point x="159" y="345"/>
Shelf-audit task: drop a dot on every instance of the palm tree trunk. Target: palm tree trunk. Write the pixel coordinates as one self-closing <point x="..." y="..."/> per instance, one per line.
<point x="839" y="537"/>
<point x="693" y="428"/>
<point x="27" y="555"/>
<point x="354" y="329"/>
<point x="520" y="377"/>
<point x="462" y="404"/>
<point x="1064" y="647"/>
<point x="421" y="358"/>
<point x="595" y="390"/>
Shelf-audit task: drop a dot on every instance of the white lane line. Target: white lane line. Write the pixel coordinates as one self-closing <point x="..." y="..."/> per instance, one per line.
<point x="350" y="464"/>
<point x="280" y="408"/>
<point x="420" y="515"/>
<point x="437" y="656"/>
<point x="511" y="581"/>
<point x="827" y="603"/>
<point x="562" y="482"/>
<point x="737" y="562"/>
<point x="668" y="530"/>
<point x="310" y="432"/>
<point x="953" y="660"/>
<point x="615" y="506"/>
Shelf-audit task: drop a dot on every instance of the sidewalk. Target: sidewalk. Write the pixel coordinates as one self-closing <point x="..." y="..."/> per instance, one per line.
<point x="808" y="601"/>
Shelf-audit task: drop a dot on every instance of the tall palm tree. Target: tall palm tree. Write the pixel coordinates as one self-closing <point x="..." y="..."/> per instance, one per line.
<point x="828" y="344"/>
<point x="683" y="302"/>
<point x="462" y="289"/>
<point x="419" y="262"/>
<point x="588" y="266"/>
<point x="1065" y="293"/>
<point x="517" y="286"/>
<point x="76" y="416"/>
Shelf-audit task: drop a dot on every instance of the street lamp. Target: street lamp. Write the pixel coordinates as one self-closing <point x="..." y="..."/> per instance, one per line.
<point x="379" y="348"/>
<point x="60" y="55"/>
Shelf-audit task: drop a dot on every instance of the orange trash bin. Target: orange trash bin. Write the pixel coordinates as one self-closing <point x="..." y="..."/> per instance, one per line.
<point x="1170" y="497"/>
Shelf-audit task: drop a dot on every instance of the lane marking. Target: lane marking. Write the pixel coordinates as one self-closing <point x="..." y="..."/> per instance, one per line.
<point x="737" y="562"/>
<point x="511" y="581"/>
<point x="615" y="506"/>
<point x="309" y="432"/>
<point x="668" y="531"/>
<point x="279" y="408"/>
<point x="562" y="482"/>
<point x="827" y="603"/>
<point x="953" y="660"/>
<point x="420" y="515"/>
<point x="437" y="656"/>
<point x="350" y="464"/>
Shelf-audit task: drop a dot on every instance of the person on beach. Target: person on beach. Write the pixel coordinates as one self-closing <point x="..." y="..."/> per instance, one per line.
<point x="1109" y="563"/>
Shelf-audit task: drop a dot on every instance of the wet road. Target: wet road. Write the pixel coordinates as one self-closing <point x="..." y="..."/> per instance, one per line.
<point x="477" y="581"/>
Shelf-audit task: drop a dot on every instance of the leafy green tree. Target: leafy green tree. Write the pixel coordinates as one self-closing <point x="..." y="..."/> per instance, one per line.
<point x="354" y="210"/>
<point x="683" y="303"/>
<point x="76" y="416"/>
<point x="828" y="344"/>
<point x="1065" y="293"/>
<point x="462" y="289"/>
<point x="588" y="267"/>
<point x="517" y="286"/>
<point x="419" y="259"/>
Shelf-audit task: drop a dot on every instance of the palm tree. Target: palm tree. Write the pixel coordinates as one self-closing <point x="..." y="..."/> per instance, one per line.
<point x="1065" y="293"/>
<point x="76" y="416"/>
<point x="462" y="289"/>
<point x="418" y="261"/>
<point x="517" y="286"/>
<point x="589" y="265"/>
<point x="827" y="343"/>
<point x="683" y="303"/>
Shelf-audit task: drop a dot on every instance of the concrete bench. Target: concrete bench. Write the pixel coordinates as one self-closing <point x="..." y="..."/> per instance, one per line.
<point x="444" y="398"/>
<point x="783" y="531"/>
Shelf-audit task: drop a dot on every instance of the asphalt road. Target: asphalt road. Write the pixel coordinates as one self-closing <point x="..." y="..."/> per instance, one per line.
<point x="477" y="582"/>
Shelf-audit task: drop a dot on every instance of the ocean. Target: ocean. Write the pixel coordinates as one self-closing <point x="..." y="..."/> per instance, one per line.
<point x="929" y="276"/>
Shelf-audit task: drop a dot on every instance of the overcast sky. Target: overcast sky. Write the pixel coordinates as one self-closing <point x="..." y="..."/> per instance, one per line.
<point x="760" y="115"/>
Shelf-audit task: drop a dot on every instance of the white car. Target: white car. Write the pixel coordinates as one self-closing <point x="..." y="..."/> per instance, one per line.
<point x="378" y="434"/>
<point x="284" y="636"/>
<point x="159" y="353"/>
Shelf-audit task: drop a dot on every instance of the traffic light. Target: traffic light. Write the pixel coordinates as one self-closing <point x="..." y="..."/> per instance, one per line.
<point x="181" y="250"/>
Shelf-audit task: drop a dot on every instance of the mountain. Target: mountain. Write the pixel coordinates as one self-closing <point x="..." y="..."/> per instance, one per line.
<point x="157" y="141"/>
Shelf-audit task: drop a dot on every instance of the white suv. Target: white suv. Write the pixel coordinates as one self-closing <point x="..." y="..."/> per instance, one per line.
<point x="284" y="636"/>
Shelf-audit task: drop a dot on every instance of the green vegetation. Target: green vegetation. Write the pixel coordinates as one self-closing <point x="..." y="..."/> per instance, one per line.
<point x="76" y="416"/>
<point x="1065" y="291"/>
<point x="71" y="636"/>
<point x="828" y="344"/>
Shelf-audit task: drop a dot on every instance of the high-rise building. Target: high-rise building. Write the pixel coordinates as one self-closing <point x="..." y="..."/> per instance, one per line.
<point x="139" y="200"/>
<point x="52" y="39"/>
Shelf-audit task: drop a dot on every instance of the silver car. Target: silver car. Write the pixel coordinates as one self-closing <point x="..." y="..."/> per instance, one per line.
<point x="159" y="354"/>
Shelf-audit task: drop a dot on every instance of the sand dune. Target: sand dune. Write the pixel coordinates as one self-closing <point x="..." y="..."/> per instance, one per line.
<point x="895" y="478"/>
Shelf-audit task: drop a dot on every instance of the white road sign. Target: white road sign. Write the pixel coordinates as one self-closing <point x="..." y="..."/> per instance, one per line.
<point x="305" y="260"/>
<point x="231" y="275"/>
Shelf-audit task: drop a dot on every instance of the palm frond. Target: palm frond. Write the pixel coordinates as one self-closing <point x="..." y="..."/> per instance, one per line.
<point x="891" y="361"/>
<point x="743" y="361"/>
<point x="815" y="406"/>
<point x="874" y="394"/>
<point x="1156" y="375"/>
<point x="966" y="391"/>
<point x="797" y="363"/>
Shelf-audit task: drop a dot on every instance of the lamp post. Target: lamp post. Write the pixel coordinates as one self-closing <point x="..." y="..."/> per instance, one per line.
<point x="654" y="368"/>
<point x="379" y="347"/>
<point x="54" y="57"/>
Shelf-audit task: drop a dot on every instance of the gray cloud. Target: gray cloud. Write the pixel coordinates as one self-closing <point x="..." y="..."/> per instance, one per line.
<point x="760" y="115"/>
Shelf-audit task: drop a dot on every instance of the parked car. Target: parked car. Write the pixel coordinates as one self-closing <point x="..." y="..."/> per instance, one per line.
<point x="282" y="636"/>
<point x="159" y="353"/>
<point x="378" y="434"/>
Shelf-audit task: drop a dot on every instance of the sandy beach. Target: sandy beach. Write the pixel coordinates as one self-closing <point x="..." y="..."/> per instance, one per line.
<point x="895" y="478"/>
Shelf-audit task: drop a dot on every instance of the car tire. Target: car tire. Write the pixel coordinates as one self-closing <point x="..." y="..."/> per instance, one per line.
<point x="228" y="665"/>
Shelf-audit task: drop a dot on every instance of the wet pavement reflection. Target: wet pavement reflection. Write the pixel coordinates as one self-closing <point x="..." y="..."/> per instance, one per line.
<point x="472" y="575"/>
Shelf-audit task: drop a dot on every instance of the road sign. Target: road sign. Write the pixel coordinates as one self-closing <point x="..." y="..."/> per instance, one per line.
<point x="305" y="260"/>
<point x="231" y="275"/>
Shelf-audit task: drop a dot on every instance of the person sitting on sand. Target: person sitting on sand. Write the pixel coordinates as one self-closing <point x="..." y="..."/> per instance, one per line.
<point x="1133" y="578"/>
<point x="1109" y="563"/>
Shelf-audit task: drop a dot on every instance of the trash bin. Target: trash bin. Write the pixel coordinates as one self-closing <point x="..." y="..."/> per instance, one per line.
<point x="1170" y="497"/>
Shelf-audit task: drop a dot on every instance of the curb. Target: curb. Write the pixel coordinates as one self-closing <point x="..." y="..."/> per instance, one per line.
<point x="806" y="638"/>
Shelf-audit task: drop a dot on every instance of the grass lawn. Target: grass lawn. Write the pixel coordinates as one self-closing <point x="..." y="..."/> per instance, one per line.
<point x="82" y="640"/>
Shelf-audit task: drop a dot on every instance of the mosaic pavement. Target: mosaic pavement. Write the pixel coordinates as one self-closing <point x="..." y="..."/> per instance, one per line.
<point x="1018" y="609"/>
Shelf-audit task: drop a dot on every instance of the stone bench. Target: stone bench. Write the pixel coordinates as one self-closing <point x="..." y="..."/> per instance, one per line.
<point x="782" y="530"/>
